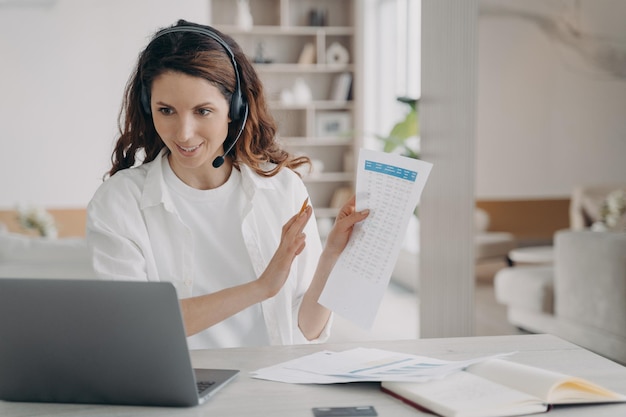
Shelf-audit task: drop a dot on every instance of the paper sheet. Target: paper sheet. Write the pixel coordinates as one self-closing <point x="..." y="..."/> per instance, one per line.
<point x="363" y="364"/>
<point x="390" y="186"/>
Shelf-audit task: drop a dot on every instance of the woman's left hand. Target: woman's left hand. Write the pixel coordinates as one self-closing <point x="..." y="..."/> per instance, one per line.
<point x="342" y="230"/>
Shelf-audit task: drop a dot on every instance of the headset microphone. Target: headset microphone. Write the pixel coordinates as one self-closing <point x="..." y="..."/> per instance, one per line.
<point x="217" y="162"/>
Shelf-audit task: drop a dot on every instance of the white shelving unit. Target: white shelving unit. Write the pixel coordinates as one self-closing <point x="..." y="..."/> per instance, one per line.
<point x="328" y="129"/>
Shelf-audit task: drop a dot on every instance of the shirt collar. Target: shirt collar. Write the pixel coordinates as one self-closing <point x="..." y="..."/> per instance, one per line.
<point x="154" y="190"/>
<point x="251" y="181"/>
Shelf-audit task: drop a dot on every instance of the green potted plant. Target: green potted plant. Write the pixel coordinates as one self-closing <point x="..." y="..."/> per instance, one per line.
<point x="401" y="133"/>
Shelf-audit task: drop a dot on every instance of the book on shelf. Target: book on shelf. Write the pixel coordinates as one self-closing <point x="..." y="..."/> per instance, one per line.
<point x="498" y="387"/>
<point x="341" y="87"/>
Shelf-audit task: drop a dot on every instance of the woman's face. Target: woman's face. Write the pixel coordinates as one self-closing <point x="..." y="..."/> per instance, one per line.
<point x="191" y="116"/>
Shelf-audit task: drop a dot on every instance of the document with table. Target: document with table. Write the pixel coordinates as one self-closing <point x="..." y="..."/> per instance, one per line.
<point x="389" y="185"/>
<point x="363" y="365"/>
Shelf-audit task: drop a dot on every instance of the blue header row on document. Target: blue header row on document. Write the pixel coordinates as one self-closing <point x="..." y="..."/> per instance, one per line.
<point x="394" y="171"/>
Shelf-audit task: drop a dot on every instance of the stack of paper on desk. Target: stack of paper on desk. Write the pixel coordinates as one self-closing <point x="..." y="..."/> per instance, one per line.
<point x="360" y="365"/>
<point x="479" y="387"/>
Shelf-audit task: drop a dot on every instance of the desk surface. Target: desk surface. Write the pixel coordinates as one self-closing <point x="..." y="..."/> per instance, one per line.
<point x="246" y="396"/>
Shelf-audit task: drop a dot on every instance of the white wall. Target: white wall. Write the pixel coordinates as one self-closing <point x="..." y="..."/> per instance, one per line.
<point x="549" y="119"/>
<point x="62" y="74"/>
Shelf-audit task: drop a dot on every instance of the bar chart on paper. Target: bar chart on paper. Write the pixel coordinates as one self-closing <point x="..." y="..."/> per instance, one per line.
<point x="390" y="186"/>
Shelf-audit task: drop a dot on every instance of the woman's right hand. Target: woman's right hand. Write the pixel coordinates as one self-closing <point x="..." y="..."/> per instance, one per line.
<point x="292" y="243"/>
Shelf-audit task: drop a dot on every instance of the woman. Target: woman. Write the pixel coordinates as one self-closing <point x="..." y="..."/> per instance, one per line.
<point x="201" y="195"/>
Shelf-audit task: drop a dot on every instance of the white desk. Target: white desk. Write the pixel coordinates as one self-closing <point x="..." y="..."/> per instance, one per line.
<point x="251" y="397"/>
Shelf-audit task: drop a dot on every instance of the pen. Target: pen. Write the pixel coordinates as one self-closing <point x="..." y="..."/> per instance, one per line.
<point x="304" y="206"/>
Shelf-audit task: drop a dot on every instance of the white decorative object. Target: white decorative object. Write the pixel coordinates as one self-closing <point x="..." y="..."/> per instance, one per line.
<point x="244" y="17"/>
<point x="336" y="54"/>
<point x="286" y="97"/>
<point x="307" y="56"/>
<point x="36" y="218"/>
<point x="599" y="227"/>
<point x="613" y="208"/>
<point x="317" y="166"/>
<point x="301" y="91"/>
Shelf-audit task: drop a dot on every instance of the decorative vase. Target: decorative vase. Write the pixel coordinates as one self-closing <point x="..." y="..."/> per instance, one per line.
<point x="244" y="17"/>
<point x="301" y="91"/>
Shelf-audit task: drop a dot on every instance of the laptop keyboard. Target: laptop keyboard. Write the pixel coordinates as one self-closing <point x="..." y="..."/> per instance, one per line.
<point x="204" y="385"/>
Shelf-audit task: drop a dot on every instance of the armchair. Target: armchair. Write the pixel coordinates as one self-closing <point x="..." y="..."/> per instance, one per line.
<point x="581" y="297"/>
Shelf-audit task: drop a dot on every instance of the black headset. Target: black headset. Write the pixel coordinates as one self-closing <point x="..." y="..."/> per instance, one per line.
<point x="238" y="109"/>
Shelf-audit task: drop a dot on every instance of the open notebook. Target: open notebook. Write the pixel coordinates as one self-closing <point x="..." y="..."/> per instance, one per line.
<point x="497" y="388"/>
<point x="105" y="342"/>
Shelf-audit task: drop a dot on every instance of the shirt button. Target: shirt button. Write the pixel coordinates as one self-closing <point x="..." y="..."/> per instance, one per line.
<point x="188" y="282"/>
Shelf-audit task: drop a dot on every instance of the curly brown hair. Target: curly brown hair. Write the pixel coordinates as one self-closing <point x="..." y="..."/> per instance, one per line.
<point x="199" y="55"/>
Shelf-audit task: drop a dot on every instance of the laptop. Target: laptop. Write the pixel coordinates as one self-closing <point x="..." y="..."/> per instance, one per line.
<point x="98" y="342"/>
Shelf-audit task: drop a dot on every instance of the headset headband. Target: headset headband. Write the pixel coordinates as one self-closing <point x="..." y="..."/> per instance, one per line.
<point x="237" y="105"/>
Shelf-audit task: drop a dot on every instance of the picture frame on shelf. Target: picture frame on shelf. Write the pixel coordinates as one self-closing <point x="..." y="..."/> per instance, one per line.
<point x="332" y="124"/>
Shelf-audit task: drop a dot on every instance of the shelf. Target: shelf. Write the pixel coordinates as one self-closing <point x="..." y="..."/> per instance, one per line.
<point x="300" y="68"/>
<point x="317" y="141"/>
<point x="324" y="129"/>
<point x="287" y="30"/>
<point x="313" y="105"/>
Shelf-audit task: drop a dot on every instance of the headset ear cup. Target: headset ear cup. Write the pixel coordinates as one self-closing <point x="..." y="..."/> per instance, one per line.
<point x="145" y="101"/>
<point x="236" y="106"/>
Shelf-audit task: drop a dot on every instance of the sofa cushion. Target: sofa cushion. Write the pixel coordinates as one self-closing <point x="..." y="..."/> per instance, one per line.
<point x="526" y="287"/>
<point x="590" y="278"/>
<point x="42" y="270"/>
<point x="16" y="248"/>
<point x="33" y="257"/>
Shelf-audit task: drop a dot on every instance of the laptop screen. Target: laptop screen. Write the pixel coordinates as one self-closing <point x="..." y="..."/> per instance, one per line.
<point x="88" y="341"/>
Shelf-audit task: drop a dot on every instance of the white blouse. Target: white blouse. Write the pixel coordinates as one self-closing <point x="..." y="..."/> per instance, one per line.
<point x="136" y="233"/>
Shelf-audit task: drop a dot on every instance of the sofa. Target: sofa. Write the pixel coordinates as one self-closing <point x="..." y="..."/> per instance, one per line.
<point x="24" y="256"/>
<point x="490" y="245"/>
<point x="581" y="297"/>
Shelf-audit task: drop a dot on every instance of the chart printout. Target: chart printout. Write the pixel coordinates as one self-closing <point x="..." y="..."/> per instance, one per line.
<point x="390" y="186"/>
